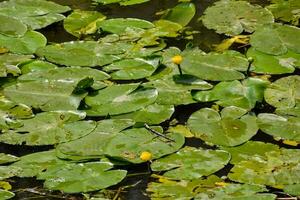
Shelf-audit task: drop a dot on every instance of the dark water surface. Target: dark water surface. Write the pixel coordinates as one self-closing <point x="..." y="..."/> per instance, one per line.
<point x="139" y="174"/>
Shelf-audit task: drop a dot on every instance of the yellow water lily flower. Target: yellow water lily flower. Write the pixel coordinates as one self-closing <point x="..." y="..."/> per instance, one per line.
<point x="146" y="156"/>
<point x="177" y="59"/>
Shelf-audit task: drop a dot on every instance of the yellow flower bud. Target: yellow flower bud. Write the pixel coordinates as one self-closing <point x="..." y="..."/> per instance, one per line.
<point x="146" y="156"/>
<point x="177" y="59"/>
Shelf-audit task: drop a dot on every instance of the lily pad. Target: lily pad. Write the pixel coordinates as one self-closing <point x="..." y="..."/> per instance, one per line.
<point x="191" y="163"/>
<point x="131" y="69"/>
<point x="276" y="169"/>
<point x="84" y="53"/>
<point x="283" y="127"/>
<point x="269" y="64"/>
<point x="284" y="93"/>
<point x="216" y="67"/>
<point x="119" y="99"/>
<point x="93" y="176"/>
<point x="286" y="10"/>
<point x="35" y="66"/>
<point x="9" y="63"/>
<point x="243" y="94"/>
<point x="119" y="25"/>
<point x="49" y="128"/>
<point x="121" y="2"/>
<point x="233" y="126"/>
<point x="7" y="158"/>
<point x="82" y="22"/>
<point x="26" y="44"/>
<point x="36" y="14"/>
<point x="234" y="17"/>
<point x="284" y="38"/>
<point x="182" y="13"/>
<point x="10" y="26"/>
<point x="6" y="194"/>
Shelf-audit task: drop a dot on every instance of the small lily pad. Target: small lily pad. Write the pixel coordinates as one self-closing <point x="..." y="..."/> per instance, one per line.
<point x="234" y="17"/>
<point x="7" y="158"/>
<point x="216" y="67"/>
<point x="10" y="26"/>
<point x="121" y="2"/>
<point x="191" y="163"/>
<point x="229" y="128"/>
<point x="6" y="194"/>
<point x="81" y="177"/>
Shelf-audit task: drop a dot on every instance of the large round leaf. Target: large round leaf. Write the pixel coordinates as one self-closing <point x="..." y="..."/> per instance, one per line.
<point x="81" y="177"/>
<point x="191" y="163"/>
<point x="26" y="44"/>
<point x="49" y="128"/>
<point x="243" y="94"/>
<point x="82" y="22"/>
<point x="234" y="17"/>
<point x="119" y="99"/>
<point x="231" y="128"/>
<point x="216" y="67"/>
<point x="284" y="93"/>
<point x="283" y="38"/>
<point x="269" y="64"/>
<point x="282" y="127"/>
<point x="11" y="26"/>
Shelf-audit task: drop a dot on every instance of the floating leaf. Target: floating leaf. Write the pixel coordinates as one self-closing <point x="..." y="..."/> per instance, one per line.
<point x="119" y="99"/>
<point x="27" y="44"/>
<point x="119" y="25"/>
<point x="229" y="128"/>
<point x="243" y="94"/>
<point x="286" y="10"/>
<point x="270" y="64"/>
<point x="121" y="2"/>
<point x="36" y="65"/>
<point x="84" y="53"/>
<point x="49" y="128"/>
<point x="234" y="17"/>
<point x="284" y="127"/>
<point x="182" y="13"/>
<point x="9" y="63"/>
<point x="292" y="189"/>
<point x="11" y="26"/>
<point x="81" y="177"/>
<point x="82" y="22"/>
<point x="216" y="67"/>
<point x="131" y="69"/>
<point x="7" y="158"/>
<point x="284" y="38"/>
<point x="191" y="163"/>
<point x="284" y="93"/>
<point x="36" y="14"/>
<point x="6" y="194"/>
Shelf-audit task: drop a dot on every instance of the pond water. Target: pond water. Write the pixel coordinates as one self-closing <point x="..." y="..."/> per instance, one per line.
<point x="139" y="174"/>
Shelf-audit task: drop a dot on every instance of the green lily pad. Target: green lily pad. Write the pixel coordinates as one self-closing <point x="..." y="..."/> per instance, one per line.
<point x="284" y="38"/>
<point x="131" y="69"/>
<point x="277" y="169"/>
<point x="182" y="13"/>
<point x="36" y="65"/>
<point x="119" y="99"/>
<point x="49" y="128"/>
<point x="81" y="177"/>
<point x="286" y="10"/>
<point x="234" y="17"/>
<point x="216" y="67"/>
<point x="207" y="188"/>
<point x="269" y="64"/>
<point x="6" y="194"/>
<point x="176" y="90"/>
<point x="233" y="126"/>
<point x="9" y="171"/>
<point x="191" y="163"/>
<point x="292" y="189"/>
<point x="26" y="44"/>
<point x="283" y="127"/>
<point x="87" y="147"/>
<point x="10" y="26"/>
<point x="32" y="164"/>
<point x="284" y="93"/>
<point x="152" y="114"/>
<point x="121" y="2"/>
<point x="36" y="14"/>
<point x="9" y="63"/>
<point x="84" y="53"/>
<point x="243" y="94"/>
<point x="7" y="158"/>
<point x="119" y="25"/>
<point x="82" y="22"/>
